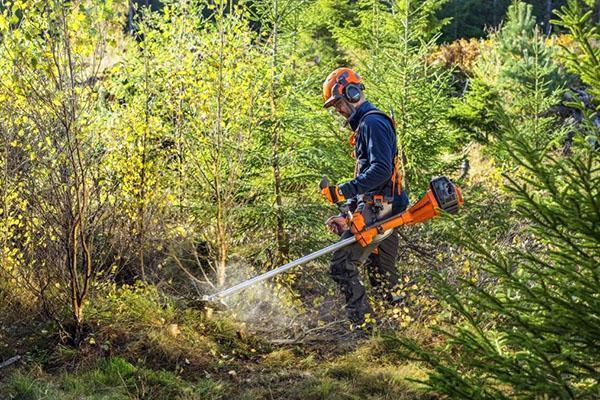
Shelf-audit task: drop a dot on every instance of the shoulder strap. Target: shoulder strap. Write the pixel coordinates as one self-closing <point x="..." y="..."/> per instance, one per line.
<point x="378" y="112"/>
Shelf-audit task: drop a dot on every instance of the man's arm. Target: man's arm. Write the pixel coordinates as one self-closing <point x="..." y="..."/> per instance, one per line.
<point x="380" y="147"/>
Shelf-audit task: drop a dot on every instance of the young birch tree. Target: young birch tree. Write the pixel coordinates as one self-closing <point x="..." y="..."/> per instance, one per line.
<point x="55" y="55"/>
<point x="225" y="89"/>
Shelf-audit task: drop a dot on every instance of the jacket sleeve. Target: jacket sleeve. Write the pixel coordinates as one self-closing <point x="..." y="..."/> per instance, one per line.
<point x="379" y="138"/>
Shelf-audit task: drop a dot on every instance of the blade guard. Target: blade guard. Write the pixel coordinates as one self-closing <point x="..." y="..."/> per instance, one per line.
<point x="442" y="195"/>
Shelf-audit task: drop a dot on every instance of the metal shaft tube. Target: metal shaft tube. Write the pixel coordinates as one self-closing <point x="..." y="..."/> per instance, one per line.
<point x="278" y="270"/>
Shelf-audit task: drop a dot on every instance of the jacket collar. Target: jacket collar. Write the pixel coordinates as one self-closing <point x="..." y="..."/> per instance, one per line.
<point x="355" y="118"/>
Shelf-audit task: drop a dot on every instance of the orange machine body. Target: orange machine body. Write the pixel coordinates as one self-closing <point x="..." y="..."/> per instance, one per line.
<point x="425" y="209"/>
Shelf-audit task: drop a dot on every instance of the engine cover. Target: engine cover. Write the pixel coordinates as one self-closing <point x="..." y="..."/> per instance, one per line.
<point x="446" y="193"/>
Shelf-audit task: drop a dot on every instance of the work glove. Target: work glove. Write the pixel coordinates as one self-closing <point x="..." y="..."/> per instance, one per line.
<point x="337" y="224"/>
<point x="333" y="194"/>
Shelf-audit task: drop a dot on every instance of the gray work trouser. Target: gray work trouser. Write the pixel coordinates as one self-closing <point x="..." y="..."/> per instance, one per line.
<point x="345" y="262"/>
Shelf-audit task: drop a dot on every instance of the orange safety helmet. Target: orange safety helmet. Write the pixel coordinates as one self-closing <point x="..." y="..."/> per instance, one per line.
<point x="342" y="83"/>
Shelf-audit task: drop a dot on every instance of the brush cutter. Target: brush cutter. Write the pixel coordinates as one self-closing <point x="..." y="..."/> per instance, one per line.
<point x="442" y="195"/>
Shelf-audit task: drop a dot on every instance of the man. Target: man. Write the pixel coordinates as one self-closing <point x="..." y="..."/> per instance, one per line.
<point x="375" y="192"/>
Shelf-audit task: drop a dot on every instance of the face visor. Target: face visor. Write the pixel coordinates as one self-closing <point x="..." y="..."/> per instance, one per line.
<point x="335" y="96"/>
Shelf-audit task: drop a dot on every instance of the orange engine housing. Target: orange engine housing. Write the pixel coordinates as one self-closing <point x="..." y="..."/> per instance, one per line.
<point x="442" y="195"/>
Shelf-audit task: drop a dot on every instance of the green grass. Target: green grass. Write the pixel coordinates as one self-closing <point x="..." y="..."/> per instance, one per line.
<point x="358" y="377"/>
<point x="280" y="374"/>
<point x="111" y="379"/>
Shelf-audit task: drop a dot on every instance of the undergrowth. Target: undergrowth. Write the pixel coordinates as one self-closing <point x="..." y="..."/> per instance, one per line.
<point x="143" y="344"/>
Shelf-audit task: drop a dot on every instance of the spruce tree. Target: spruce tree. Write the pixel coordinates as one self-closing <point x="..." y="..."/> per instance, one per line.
<point x="517" y="72"/>
<point x="530" y="328"/>
<point x="584" y="57"/>
<point x="533" y="330"/>
<point x="389" y="46"/>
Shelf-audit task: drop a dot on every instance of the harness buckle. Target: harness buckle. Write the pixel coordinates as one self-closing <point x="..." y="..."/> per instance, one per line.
<point x="377" y="204"/>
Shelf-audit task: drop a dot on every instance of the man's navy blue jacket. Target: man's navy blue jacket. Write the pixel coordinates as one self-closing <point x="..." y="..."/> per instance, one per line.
<point x="375" y="150"/>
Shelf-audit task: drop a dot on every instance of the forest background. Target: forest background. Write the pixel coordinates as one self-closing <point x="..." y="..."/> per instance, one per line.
<point x="151" y="153"/>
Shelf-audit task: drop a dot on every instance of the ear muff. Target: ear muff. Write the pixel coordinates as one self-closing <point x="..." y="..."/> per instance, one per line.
<point x="349" y="91"/>
<point x="352" y="92"/>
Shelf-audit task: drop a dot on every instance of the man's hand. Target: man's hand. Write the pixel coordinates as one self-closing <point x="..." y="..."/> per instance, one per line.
<point x="337" y="224"/>
<point x="332" y="194"/>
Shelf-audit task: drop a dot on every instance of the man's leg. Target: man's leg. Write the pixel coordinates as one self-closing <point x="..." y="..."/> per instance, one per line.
<point x="381" y="267"/>
<point x="344" y="270"/>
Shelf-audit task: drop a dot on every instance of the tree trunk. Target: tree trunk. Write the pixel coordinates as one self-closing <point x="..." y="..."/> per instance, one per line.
<point x="77" y="222"/>
<point x="3" y="193"/>
<point x="142" y="212"/>
<point x="180" y="158"/>
<point x="547" y="17"/>
<point x="281" y="251"/>
<point x="75" y="295"/>
<point x="455" y="20"/>
<point x="141" y="235"/>
<point x="130" y="15"/>
<point x="222" y="239"/>
<point x="222" y="247"/>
